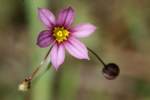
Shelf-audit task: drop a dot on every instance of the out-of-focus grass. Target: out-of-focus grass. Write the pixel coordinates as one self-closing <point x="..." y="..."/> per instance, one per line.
<point x="134" y="17"/>
<point x="41" y="90"/>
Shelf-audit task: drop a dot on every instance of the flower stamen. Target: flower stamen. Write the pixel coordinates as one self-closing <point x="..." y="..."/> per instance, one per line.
<point x="60" y="34"/>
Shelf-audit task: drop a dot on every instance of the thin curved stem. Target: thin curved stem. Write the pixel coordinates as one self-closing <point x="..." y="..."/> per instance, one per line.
<point x="101" y="61"/>
<point x="39" y="66"/>
<point x="26" y="83"/>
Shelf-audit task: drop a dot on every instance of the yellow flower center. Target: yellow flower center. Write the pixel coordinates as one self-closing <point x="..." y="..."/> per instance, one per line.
<point x="61" y="34"/>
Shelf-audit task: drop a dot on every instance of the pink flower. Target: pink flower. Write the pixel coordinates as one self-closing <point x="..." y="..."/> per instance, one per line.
<point x="61" y="36"/>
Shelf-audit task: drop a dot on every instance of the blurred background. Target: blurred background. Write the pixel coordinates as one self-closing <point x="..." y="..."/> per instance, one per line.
<point x="122" y="36"/>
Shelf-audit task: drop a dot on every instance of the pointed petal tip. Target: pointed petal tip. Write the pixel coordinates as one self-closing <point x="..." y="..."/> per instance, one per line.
<point x="46" y="16"/>
<point x="56" y="67"/>
<point x="70" y="8"/>
<point x="38" y="9"/>
<point x="91" y="26"/>
<point x="66" y="16"/>
<point x="86" y="57"/>
<point x="41" y="9"/>
<point x="94" y="27"/>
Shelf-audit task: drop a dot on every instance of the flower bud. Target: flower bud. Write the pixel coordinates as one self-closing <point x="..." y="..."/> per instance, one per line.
<point x="25" y="85"/>
<point x="111" y="71"/>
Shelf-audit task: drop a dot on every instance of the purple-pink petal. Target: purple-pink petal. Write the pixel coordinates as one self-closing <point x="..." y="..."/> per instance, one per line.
<point x="44" y="39"/>
<point x="76" y="48"/>
<point x="47" y="17"/>
<point x="83" y="30"/>
<point x="57" y="55"/>
<point x="66" y="17"/>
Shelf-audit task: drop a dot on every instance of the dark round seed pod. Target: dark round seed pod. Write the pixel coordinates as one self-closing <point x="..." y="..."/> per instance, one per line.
<point x="111" y="71"/>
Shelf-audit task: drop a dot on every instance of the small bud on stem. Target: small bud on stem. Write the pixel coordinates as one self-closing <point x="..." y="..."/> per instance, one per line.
<point x="25" y="85"/>
<point x="110" y="71"/>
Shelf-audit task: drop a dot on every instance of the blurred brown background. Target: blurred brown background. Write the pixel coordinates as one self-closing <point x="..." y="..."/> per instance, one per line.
<point x="122" y="36"/>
